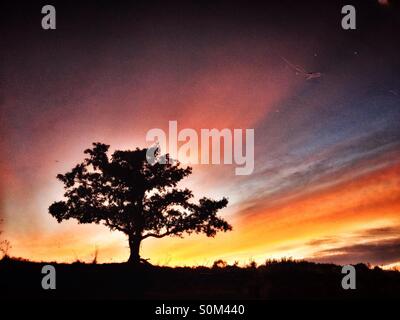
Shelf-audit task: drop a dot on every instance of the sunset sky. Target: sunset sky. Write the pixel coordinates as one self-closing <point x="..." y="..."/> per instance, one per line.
<point x="326" y="183"/>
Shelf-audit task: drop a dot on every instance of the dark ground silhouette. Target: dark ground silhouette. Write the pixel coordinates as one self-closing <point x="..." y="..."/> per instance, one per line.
<point x="273" y="280"/>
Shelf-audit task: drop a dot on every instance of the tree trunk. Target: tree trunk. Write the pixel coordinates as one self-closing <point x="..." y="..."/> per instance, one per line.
<point x="134" y="246"/>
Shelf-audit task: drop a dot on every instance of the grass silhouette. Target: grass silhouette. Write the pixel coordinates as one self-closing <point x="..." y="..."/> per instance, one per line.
<point x="276" y="279"/>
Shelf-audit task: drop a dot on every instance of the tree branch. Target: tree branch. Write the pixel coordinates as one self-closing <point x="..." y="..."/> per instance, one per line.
<point x="157" y="235"/>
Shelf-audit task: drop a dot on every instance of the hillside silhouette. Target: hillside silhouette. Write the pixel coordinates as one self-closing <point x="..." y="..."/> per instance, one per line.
<point x="285" y="279"/>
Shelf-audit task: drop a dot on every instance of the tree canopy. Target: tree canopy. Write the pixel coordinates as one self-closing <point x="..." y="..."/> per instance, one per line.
<point x="127" y="193"/>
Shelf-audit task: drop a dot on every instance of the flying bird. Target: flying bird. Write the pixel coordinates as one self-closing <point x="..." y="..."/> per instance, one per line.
<point x="301" y="71"/>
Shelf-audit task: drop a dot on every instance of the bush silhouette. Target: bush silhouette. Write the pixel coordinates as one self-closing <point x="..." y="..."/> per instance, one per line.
<point x="219" y="264"/>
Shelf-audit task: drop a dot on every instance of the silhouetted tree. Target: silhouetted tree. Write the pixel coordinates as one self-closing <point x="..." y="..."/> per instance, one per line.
<point x="5" y="245"/>
<point x="127" y="193"/>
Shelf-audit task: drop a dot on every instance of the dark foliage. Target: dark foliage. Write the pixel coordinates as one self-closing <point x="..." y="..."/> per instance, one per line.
<point x="274" y="280"/>
<point x="129" y="194"/>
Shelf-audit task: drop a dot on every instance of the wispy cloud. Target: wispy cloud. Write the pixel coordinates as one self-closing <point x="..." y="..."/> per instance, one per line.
<point x="377" y="253"/>
<point x="378" y="246"/>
